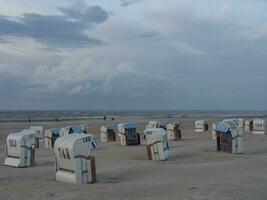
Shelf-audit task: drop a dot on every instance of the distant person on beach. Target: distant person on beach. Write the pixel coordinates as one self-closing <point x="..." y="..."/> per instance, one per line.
<point x="105" y="117"/>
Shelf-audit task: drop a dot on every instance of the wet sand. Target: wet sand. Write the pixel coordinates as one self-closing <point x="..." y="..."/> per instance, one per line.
<point x="194" y="171"/>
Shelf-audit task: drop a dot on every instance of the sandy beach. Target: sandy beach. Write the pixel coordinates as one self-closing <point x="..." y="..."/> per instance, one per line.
<point x="194" y="170"/>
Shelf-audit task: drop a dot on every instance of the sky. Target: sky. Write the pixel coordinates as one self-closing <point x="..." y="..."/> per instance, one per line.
<point x="133" y="54"/>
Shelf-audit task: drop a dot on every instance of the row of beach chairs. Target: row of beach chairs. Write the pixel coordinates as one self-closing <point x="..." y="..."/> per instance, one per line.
<point x="73" y="146"/>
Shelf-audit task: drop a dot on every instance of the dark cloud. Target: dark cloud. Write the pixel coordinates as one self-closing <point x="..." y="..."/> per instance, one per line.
<point x="64" y="31"/>
<point x="129" y="2"/>
<point x="87" y="15"/>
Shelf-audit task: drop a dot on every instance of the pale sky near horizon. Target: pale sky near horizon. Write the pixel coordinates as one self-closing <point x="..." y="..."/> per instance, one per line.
<point x="133" y="54"/>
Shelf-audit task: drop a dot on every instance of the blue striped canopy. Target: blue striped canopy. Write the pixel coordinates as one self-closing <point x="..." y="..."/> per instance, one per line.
<point x="111" y="127"/>
<point x="56" y="131"/>
<point x="130" y="125"/>
<point x="223" y="127"/>
<point x="76" y="129"/>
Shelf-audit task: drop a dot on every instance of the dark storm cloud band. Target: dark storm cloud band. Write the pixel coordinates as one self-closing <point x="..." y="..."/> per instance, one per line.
<point x="63" y="31"/>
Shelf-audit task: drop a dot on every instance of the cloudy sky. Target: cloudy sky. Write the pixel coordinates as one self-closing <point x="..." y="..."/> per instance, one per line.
<point x="133" y="54"/>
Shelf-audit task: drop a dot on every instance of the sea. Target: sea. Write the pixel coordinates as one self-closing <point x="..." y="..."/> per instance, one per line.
<point x="60" y="115"/>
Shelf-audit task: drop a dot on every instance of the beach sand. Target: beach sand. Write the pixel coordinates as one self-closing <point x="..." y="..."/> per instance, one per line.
<point x="194" y="171"/>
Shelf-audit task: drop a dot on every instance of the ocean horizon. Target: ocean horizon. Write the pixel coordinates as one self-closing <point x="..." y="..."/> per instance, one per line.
<point x="51" y="115"/>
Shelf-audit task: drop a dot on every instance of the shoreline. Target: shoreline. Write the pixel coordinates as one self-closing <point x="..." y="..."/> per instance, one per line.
<point x="109" y="117"/>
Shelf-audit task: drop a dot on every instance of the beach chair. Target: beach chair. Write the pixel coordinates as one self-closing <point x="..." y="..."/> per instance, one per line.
<point x="157" y="144"/>
<point x="20" y="149"/>
<point x="74" y="161"/>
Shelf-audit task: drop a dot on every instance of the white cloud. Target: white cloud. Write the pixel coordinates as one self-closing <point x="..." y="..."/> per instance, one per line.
<point x="125" y="67"/>
<point x="84" y="89"/>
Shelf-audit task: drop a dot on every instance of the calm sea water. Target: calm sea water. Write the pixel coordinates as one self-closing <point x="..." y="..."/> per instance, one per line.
<point x="78" y="114"/>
